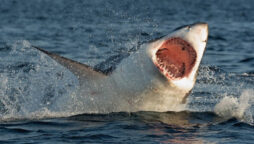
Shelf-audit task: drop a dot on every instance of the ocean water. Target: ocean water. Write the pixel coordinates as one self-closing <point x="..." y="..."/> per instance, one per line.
<point x="34" y="89"/>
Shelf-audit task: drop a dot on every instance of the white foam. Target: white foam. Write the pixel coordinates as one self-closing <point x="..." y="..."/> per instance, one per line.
<point x="239" y="108"/>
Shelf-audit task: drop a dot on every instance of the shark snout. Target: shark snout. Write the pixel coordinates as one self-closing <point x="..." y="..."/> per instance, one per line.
<point x="202" y="30"/>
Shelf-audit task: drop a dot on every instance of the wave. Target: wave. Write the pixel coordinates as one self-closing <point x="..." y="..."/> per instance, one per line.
<point x="181" y="119"/>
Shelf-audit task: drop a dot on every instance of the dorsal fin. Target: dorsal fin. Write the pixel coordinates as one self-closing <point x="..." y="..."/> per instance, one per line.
<point x="82" y="71"/>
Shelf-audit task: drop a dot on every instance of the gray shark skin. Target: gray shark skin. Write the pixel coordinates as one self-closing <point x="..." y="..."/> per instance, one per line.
<point x="157" y="77"/>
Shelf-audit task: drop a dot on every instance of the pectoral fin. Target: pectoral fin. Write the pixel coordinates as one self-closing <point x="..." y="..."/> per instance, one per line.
<point x="82" y="71"/>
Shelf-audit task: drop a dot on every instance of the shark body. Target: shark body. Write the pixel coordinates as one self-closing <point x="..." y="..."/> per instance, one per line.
<point x="157" y="77"/>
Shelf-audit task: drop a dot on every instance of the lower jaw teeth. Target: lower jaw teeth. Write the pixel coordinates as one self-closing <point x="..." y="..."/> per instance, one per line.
<point x="165" y="69"/>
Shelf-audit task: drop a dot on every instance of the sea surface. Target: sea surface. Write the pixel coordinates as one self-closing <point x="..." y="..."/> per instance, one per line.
<point x="34" y="88"/>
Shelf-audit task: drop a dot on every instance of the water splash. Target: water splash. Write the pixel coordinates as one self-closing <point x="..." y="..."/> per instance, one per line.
<point x="239" y="108"/>
<point x="32" y="85"/>
<point x="229" y="95"/>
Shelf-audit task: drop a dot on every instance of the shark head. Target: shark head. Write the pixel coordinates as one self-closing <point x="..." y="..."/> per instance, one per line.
<point x="177" y="55"/>
<point x="163" y="71"/>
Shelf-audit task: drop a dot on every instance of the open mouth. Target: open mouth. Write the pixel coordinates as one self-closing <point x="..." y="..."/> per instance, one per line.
<point x="175" y="58"/>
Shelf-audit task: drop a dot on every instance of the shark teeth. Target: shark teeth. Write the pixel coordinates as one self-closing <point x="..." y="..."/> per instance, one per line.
<point x="167" y="69"/>
<point x="175" y="58"/>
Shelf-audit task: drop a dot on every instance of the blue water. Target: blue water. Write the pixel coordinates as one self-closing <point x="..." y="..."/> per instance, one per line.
<point x="34" y="90"/>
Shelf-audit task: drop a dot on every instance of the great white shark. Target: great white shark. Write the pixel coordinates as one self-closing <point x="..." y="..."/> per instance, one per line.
<point x="157" y="77"/>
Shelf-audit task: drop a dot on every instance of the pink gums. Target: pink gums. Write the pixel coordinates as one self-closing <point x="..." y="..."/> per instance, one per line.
<point x="175" y="58"/>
